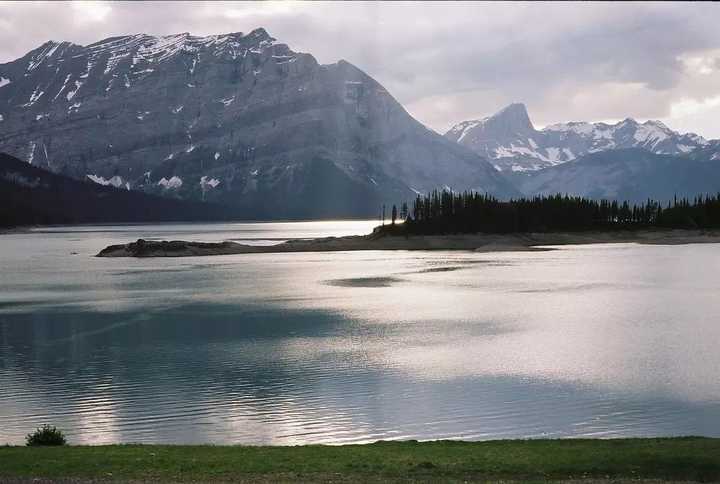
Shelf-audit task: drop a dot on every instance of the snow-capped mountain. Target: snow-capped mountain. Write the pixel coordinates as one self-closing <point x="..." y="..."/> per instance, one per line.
<point x="632" y="174"/>
<point x="509" y="140"/>
<point x="237" y="118"/>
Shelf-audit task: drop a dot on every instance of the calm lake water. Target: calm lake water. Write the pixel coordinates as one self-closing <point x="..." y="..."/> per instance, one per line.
<point x="586" y="341"/>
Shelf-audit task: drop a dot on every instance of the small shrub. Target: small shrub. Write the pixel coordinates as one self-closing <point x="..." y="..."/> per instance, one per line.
<point x="46" y="435"/>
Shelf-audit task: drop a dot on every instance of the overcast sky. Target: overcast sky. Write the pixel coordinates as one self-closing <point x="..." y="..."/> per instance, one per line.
<point x="448" y="62"/>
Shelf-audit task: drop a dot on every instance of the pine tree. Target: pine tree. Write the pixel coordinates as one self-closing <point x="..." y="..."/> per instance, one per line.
<point x="404" y="211"/>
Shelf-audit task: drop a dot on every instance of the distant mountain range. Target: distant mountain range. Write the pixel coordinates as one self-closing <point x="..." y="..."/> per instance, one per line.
<point x="241" y="126"/>
<point x="509" y="140"/>
<point x="237" y="119"/>
<point x="624" y="161"/>
<point x="631" y="174"/>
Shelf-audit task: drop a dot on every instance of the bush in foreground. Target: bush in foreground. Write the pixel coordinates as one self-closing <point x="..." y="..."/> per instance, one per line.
<point x="46" y="435"/>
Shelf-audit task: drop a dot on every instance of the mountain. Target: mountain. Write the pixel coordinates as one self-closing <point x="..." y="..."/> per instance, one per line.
<point x="237" y="119"/>
<point x="627" y="174"/>
<point x="30" y="195"/>
<point x="509" y="140"/>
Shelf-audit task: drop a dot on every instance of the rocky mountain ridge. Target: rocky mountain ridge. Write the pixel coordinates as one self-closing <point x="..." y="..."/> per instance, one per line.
<point x="510" y="141"/>
<point x="238" y="119"/>
<point x="632" y="174"/>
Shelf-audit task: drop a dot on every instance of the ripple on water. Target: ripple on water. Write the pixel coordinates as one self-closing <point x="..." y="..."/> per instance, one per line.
<point x="262" y="350"/>
<point x="364" y="282"/>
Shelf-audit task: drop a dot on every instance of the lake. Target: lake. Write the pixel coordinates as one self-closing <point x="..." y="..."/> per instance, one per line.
<point x="585" y="341"/>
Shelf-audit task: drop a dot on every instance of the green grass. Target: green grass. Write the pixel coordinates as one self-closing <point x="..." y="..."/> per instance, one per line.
<point x="687" y="458"/>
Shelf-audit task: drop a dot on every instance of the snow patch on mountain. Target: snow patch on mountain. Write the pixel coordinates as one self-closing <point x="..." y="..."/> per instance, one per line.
<point x="31" y="152"/>
<point x="511" y="143"/>
<point x="115" y="181"/>
<point x="221" y="128"/>
<point x="228" y="101"/>
<point x="651" y="133"/>
<point x="206" y="182"/>
<point x="173" y="182"/>
<point x="71" y="94"/>
<point x="47" y="52"/>
<point x="37" y="94"/>
<point x="62" y="88"/>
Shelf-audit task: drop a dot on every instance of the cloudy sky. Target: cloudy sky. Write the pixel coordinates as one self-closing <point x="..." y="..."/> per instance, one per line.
<point x="448" y="62"/>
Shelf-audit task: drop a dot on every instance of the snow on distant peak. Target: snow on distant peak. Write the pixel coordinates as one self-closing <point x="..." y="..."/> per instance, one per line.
<point x="696" y="138"/>
<point x="157" y="49"/>
<point x="523" y="148"/>
<point x="576" y="127"/>
<point x="48" y="49"/>
<point x="4" y="81"/>
<point x="150" y="49"/>
<point x="469" y="127"/>
<point x="557" y="127"/>
<point x="466" y="128"/>
<point x="650" y="134"/>
<point x="659" y="124"/>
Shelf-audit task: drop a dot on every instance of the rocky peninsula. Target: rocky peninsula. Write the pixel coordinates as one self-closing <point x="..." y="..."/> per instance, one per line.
<point x="384" y="241"/>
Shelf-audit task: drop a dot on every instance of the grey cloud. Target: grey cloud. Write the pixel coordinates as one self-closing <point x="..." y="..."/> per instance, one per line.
<point x="444" y="61"/>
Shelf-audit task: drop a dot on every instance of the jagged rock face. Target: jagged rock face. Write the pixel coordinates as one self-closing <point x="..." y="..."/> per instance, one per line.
<point x="626" y="174"/>
<point x="234" y="118"/>
<point x="708" y="152"/>
<point x="510" y="142"/>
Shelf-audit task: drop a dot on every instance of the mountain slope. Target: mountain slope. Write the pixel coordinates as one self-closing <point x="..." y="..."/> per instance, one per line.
<point x="628" y="174"/>
<point x="30" y="195"/>
<point x="238" y="119"/>
<point x="509" y="140"/>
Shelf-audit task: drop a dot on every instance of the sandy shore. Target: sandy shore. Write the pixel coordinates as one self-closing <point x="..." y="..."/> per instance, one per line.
<point x="474" y="242"/>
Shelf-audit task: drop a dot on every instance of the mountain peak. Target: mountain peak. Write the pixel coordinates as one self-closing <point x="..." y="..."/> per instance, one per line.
<point x="513" y="118"/>
<point x="517" y="108"/>
<point x="658" y="123"/>
<point x="228" y="118"/>
<point x="259" y="32"/>
<point x="509" y="139"/>
<point x="510" y="122"/>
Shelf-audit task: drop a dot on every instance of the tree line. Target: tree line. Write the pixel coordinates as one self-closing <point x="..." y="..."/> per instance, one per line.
<point x="470" y="212"/>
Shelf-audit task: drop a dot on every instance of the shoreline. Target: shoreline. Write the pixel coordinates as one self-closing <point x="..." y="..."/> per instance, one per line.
<point x="379" y="241"/>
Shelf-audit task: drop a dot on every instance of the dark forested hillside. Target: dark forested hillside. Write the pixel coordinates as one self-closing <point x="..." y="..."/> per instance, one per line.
<point x="30" y="195"/>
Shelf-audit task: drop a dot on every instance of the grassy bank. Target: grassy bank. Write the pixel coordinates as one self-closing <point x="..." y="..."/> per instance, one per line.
<point x="689" y="458"/>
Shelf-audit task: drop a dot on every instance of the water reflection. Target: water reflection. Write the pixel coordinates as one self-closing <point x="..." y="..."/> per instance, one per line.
<point x="354" y="347"/>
